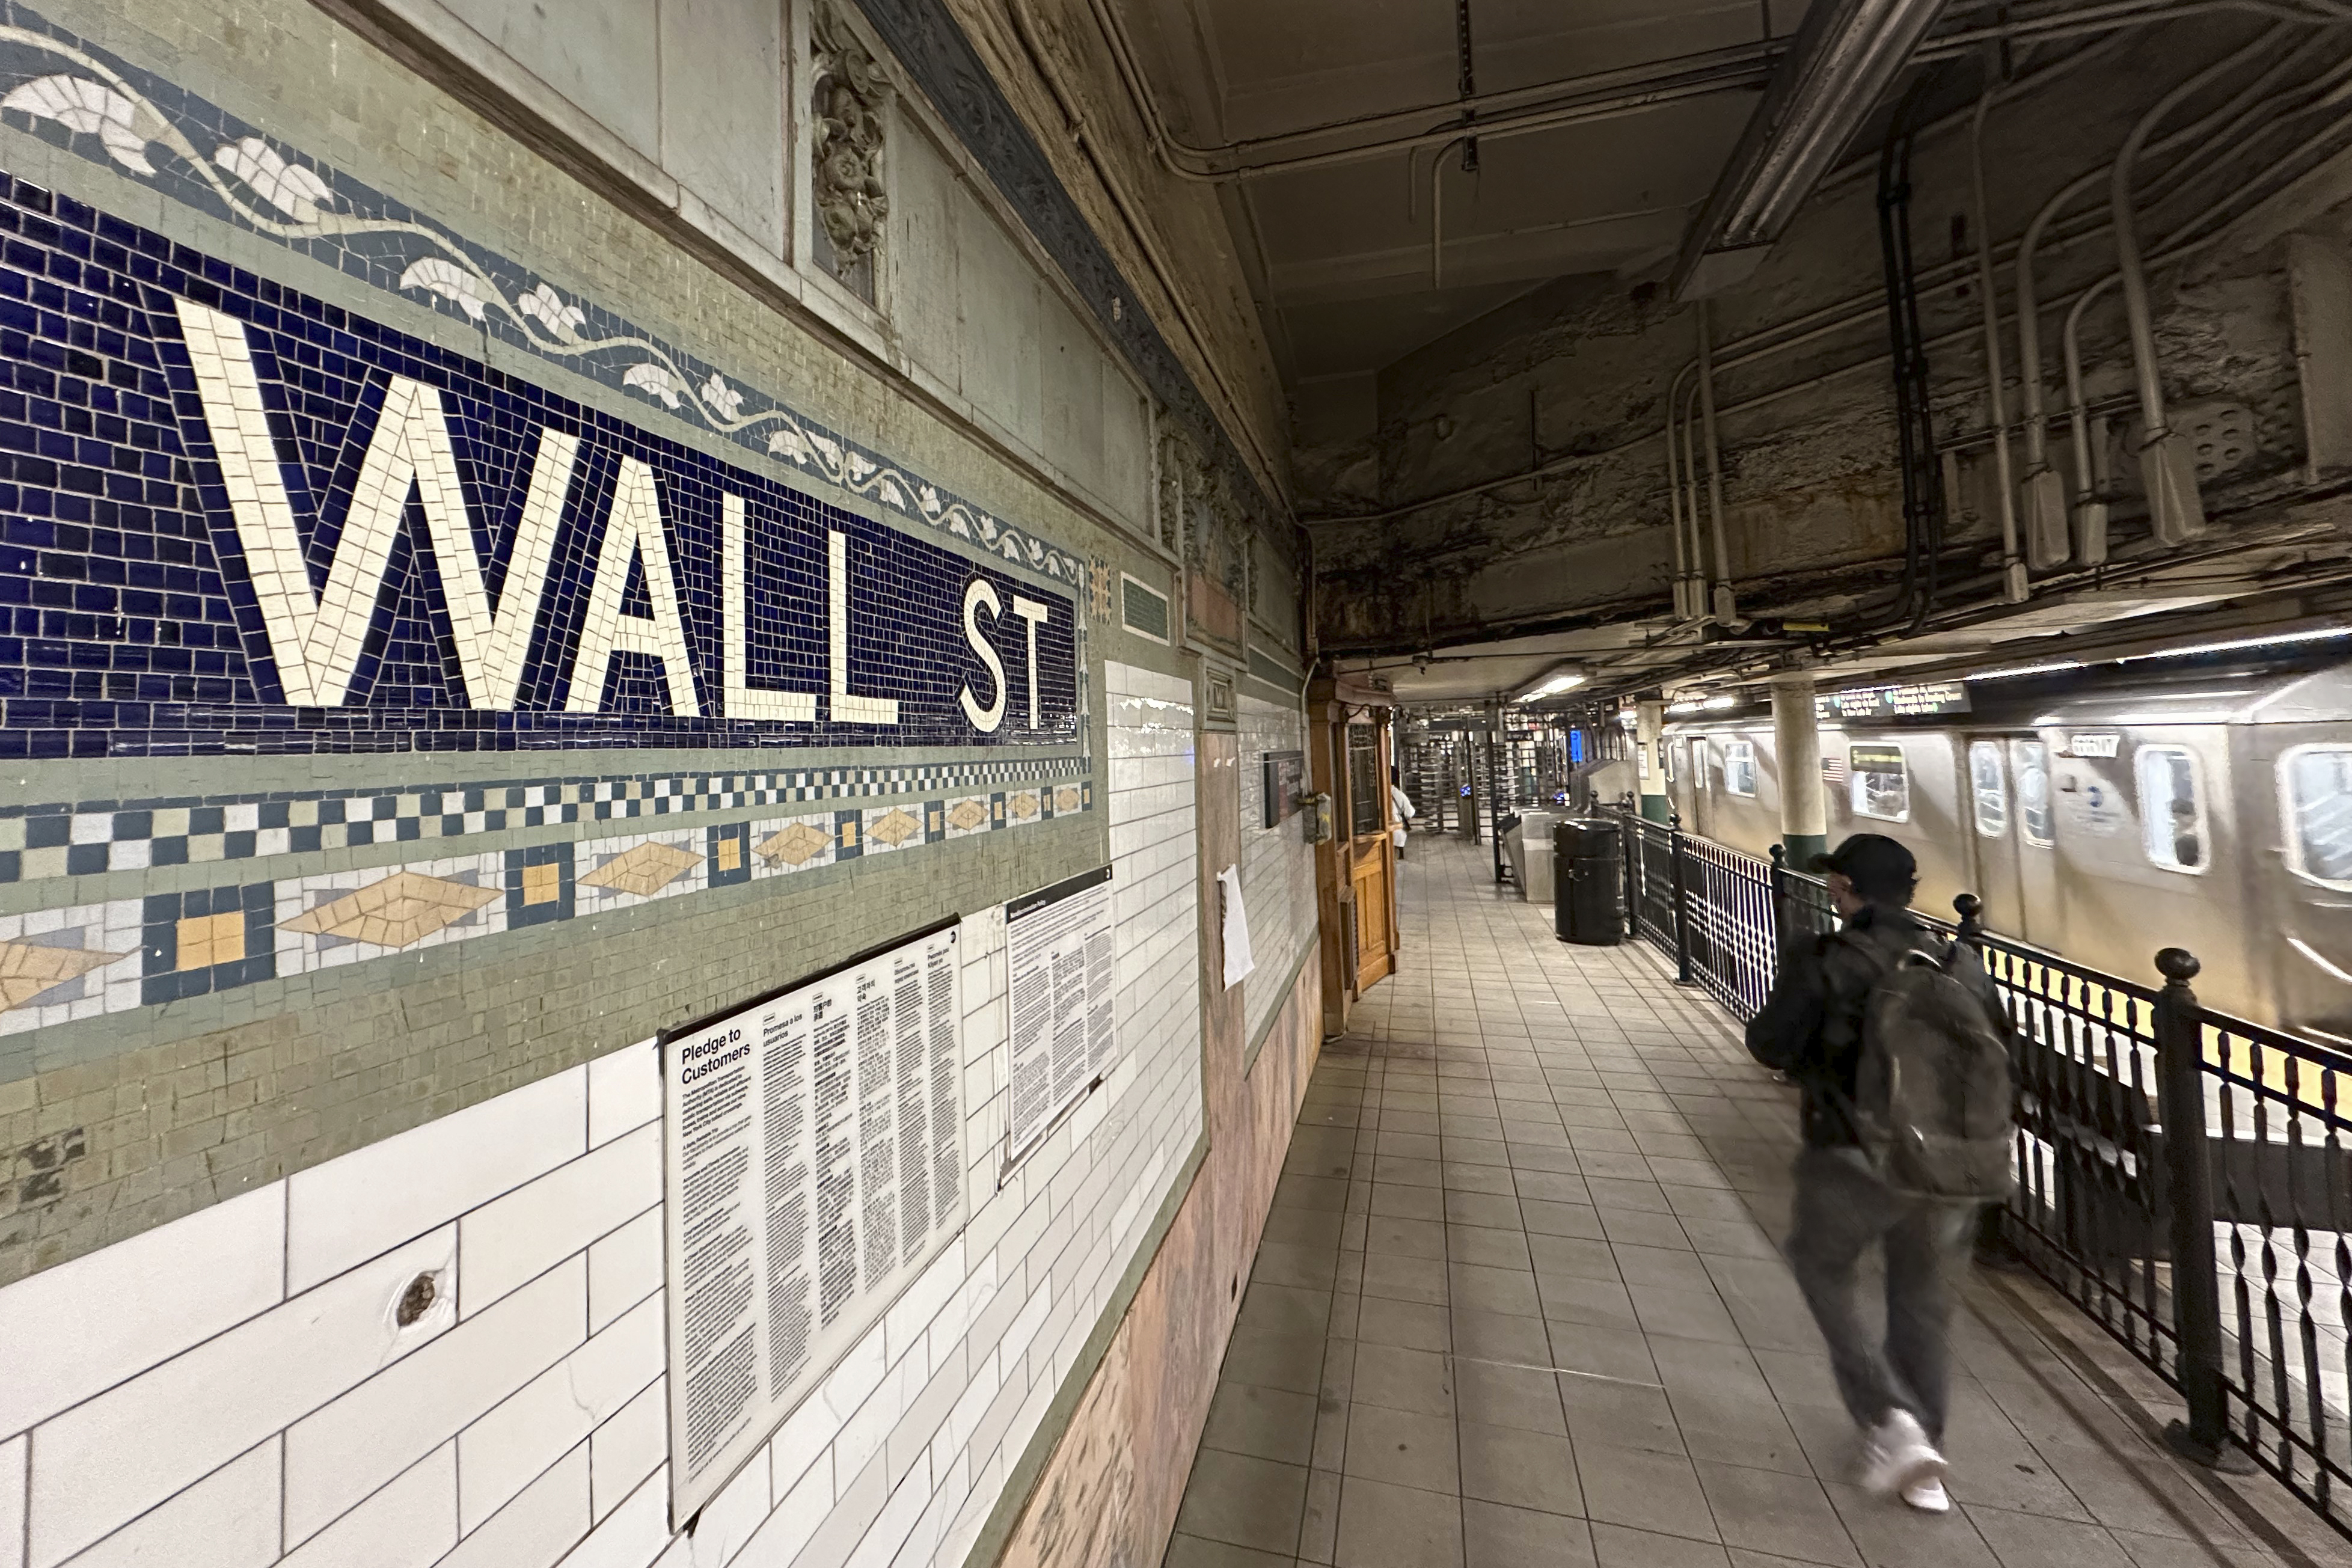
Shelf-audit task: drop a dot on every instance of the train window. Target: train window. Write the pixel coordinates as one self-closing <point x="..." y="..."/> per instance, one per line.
<point x="2317" y="783"/>
<point x="1739" y="768"/>
<point x="1881" y="784"/>
<point x="1989" y="788"/>
<point x="2029" y="760"/>
<point x="2172" y="809"/>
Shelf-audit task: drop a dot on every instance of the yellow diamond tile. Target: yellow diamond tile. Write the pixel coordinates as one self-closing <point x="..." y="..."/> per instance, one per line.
<point x="896" y="827"/>
<point x="795" y="845"/>
<point x="405" y="906"/>
<point x="202" y="941"/>
<point x="28" y="969"/>
<point x="644" y="870"/>
<point x="542" y="883"/>
<point x="968" y="814"/>
<point x="1024" y="805"/>
<point x="1066" y="799"/>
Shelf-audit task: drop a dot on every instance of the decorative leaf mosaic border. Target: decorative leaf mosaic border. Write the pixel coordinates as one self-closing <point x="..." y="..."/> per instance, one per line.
<point x="84" y="100"/>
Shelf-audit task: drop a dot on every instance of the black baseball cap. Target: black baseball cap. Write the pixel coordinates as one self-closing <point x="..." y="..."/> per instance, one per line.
<point x="1877" y="866"/>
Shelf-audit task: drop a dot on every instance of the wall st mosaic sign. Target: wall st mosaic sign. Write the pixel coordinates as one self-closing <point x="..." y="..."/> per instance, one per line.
<point x="243" y="518"/>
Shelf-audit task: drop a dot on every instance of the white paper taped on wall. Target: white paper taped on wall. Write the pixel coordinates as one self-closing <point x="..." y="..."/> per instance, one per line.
<point x="813" y="1162"/>
<point x="1238" y="961"/>
<point x="1064" y="983"/>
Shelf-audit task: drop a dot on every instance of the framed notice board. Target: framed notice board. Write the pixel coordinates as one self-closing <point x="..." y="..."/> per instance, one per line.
<point x="1286" y="781"/>
<point x="812" y="1165"/>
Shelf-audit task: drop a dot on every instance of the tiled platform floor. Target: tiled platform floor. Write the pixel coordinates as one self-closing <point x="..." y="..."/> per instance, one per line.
<point x="1518" y="1305"/>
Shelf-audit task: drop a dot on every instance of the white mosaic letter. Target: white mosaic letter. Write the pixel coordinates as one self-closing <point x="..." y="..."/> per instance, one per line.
<point x="847" y="709"/>
<point x="315" y="639"/>
<point x="633" y="530"/>
<point x="1035" y="614"/>
<point x="976" y="595"/>
<point x="735" y="571"/>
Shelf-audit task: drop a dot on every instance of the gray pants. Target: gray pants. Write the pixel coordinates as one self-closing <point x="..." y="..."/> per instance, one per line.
<point x="1841" y="1207"/>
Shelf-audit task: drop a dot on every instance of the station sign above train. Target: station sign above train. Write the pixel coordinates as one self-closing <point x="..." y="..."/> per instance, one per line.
<point x="1893" y="701"/>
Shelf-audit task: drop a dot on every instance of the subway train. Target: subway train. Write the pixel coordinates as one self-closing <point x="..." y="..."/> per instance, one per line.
<point x="2200" y="799"/>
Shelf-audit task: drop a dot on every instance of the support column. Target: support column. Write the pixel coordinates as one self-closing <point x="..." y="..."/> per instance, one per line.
<point x="1649" y="759"/>
<point x="1797" y="740"/>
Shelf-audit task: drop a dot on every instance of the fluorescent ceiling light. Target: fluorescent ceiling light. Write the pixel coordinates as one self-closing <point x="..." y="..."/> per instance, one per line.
<point x="2051" y="667"/>
<point x="1843" y="57"/>
<point x="1691" y="706"/>
<point x="1723" y="699"/>
<point x="1565" y="677"/>
<point x="2282" y="639"/>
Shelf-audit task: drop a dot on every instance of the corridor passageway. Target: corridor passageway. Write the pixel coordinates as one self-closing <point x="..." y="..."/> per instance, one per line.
<point x="1519" y="1305"/>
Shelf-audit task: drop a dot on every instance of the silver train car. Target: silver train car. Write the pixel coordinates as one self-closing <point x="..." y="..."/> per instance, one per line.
<point x="2101" y="813"/>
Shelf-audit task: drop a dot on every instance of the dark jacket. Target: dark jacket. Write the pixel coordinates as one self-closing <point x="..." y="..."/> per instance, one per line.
<point x="1811" y="1025"/>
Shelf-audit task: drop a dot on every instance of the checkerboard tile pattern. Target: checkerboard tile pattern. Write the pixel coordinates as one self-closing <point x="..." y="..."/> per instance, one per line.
<point x="82" y="961"/>
<point x="85" y="838"/>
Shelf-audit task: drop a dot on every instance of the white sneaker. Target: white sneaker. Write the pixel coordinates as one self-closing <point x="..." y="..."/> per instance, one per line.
<point x="1928" y="1496"/>
<point x="1899" y="1457"/>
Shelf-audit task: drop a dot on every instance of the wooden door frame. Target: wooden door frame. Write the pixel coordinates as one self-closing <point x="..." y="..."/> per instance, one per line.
<point x="1331" y="707"/>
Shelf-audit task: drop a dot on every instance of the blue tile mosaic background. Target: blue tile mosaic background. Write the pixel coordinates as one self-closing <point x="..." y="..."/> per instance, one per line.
<point x="127" y="625"/>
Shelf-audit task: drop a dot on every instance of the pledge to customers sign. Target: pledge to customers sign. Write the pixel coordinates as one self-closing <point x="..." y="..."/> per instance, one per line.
<point x="812" y="1164"/>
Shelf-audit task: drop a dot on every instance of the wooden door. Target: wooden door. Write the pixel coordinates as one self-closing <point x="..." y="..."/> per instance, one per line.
<point x="1375" y="900"/>
<point x="1348" y="751"/>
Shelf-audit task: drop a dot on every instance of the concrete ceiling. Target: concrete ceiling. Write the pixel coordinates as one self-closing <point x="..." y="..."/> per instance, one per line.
<point x="1343" y="251"/>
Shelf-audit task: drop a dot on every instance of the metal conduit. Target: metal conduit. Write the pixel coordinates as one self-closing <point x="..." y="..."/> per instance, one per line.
<point x="2013" y="564"/>
<point x="1827" y="322"/>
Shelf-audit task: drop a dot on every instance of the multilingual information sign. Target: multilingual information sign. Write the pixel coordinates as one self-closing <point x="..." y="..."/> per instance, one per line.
<point x="1064" y="986"/>
<point x="813" y="1162"/>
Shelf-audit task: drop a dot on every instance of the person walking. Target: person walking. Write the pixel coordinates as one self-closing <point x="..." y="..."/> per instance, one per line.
<point x="1403" y="805"/>
<point x="1883" y="1001"/>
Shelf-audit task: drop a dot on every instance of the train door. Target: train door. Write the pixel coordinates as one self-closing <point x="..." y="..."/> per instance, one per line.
<point x="2009" y="832"/>
<point x="1697" y="787"/>
<point x="2311" y="985"/>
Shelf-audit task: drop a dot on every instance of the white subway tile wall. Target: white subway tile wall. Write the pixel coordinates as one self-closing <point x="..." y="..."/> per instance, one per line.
<point x="228" y="1519"/>
<point x="13" y="1455"/>
<point x="236" y="1389"/>
<point x="1277" y="864"/>
<point x="211" y="1271"/>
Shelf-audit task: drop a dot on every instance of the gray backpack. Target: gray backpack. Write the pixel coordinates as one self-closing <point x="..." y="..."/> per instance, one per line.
<point x="1932" y="1088"/>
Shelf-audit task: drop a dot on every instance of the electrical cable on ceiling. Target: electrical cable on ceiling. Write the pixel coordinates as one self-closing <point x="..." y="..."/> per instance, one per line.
<point x="1469" y="82"/>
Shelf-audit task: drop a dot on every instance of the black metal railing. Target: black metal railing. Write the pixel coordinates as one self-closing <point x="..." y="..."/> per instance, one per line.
<point x="2184" y="1176"/>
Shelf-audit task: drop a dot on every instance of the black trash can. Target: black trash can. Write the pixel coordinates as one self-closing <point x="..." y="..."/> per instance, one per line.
<point x="1588" y="881"/>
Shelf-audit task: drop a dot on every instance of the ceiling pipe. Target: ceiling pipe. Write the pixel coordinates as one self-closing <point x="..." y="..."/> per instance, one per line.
<point x="2013" y="564"/>
<point x="2168" y="461"/>
<point x="1699" y="582"/>
<point x="1827" y="322"/>
<point x="1841" y="62"/>
<point x="2090" y="508"/>
<point x="1721" y="603"/>
<point x="1675" y="504"/>
<point x="2043" y="491"/>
